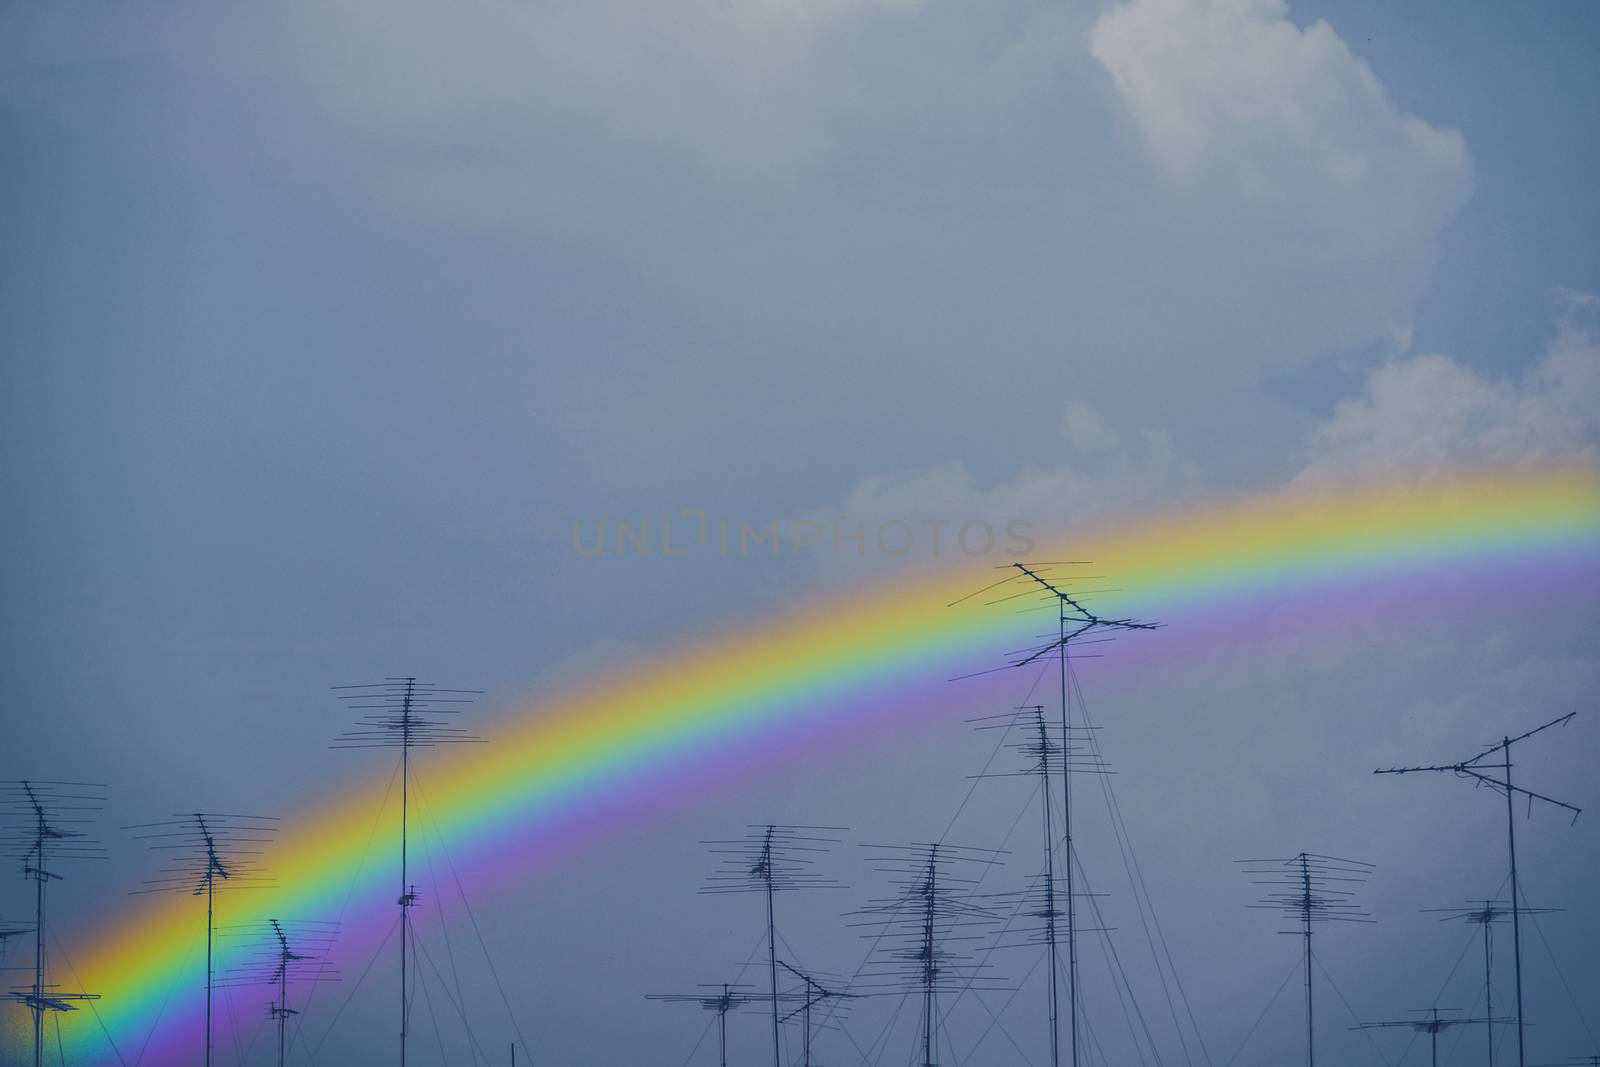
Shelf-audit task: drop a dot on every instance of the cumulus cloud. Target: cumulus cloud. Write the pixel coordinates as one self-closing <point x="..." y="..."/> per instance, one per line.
<point x="1429" y="414"/>
<point x="1234" y="86"/>
<point x="1293" y="144"/>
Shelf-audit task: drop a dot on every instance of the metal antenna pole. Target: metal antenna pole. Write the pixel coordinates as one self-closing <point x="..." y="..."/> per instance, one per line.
<point x="1066" y="813"/>
<point x="1049" y="884"/>
<point x="771" y="858"/>
<point x="772" y="943"/>
<point x="405" y="893"/>
<point x="815" y="993"/>
<point x="722" y="1026"/>
<point x="1431" y="1025"/>
<point x="40" y="876"/>
<point x="1073" y="621"/>
<point x="722" y="1002"/>
<point x="1310" y="888"/>
<point x="1516" y="901"/>
<point x="404" y="713"/>
<point x="1486" y="915"/>
<point x="34" y="816"/>
<point x="210" y="970"/>
<point x="269" y="959"/>
<point x="1305" y="915"/>
<point x="209" y="847"/>
<point x="1474" y="769"/>
<point x="1041" y="901"/>
<point x="933" y="909"/>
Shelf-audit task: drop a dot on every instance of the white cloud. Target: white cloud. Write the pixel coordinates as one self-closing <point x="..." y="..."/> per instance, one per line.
<point x="1429" y="414"/>
<point x="1234" y="85"/>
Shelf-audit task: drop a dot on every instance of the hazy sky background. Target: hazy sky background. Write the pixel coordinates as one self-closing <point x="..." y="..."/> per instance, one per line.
<point x="325" y="322"/>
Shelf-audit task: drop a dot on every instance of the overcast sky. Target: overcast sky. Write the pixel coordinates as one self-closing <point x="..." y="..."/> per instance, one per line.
<point x="325" y="322"/>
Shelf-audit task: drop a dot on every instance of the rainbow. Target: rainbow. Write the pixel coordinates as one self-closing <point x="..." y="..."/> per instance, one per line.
<point x="829" y="679"/>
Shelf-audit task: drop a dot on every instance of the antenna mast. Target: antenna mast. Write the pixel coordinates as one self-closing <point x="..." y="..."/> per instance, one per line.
<point x="210" y="848"/>
<point x="931" y="910"/>
<point x="1486" y="915"/>
<point x="1074" y="622"/>
<point x="1479" y="769"/>
<point x="1431" y="1025"/>
<point x="279" y="946"/>
<point x="1309" y="887"/>
<point x="769" y="859"/>
<point x="815" y="993"/>
<point x="722" y="1003"/>
<point x="37" y="815"/>
<point x="403" y="713"/>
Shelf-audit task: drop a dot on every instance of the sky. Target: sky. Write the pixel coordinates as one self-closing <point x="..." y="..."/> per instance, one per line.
<point x="330" y="328"/>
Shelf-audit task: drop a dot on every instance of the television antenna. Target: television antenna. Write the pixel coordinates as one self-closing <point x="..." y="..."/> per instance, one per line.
<point x="1487" y="914"/>
<point x="274" y="959"/>
<point x="1431" y="1024"/>
<point x="1310" y="888"/>
<point x="815" y="993"/>
<point x="732" y="995"/>
<point x="769" y="859"/>
<point x="931" y="911"/>
<point x="401" y="712"/>
<point x="1480" y="770"/>
<point x="207" y="851"/>
<point x="1074" y="622"/>
<point x="39" y="825"/>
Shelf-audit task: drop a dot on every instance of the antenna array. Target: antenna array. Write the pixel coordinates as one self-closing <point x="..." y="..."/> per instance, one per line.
<point x="43" y="823"/>
<point x="204" y="851"/>
<point x="274" y="957"/>
<point x="1432" y="1023"/>
<point x="403" y="713"/>
<point x="769" y="859"/>
<point x="923" y="931"/>
<point x="1075" y="621"/>
<point x="1480" y="770"/>
<point x="1310" y="888"/>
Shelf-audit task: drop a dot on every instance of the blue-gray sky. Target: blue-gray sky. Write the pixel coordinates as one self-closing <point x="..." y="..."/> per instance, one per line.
<point x="324" y="322"/>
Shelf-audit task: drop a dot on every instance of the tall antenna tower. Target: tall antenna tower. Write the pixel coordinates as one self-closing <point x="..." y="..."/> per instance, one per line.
<point x="814" y="993"/>
<point x="206" y="850"/>
<point x="1486" y="915"/>
<point x="922" y="932"/>
<point x="731" y="996"/>
<point x="770" y="859"/>
<point x="1310" y="888"/>
<point x="1047" y="751"/>
<point x="1074" y="622"/>
<point x="41" y="826"/>
<point x="1481" y="770"/>
<point x="404" y="713"/>
<point x="1431" y="1024"/>
<point x="276" y="957"/>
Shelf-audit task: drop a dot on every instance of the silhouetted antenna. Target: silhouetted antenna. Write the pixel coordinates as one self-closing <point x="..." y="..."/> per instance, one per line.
<point x="1046" y="752"/>
<point x="404" y="713"/>
<point x="42" y="823"/>
<point x="1486" y="914"/>
<point x="772" y="858"/>
<point x="1431" y="1024"/>
<point x="923" y="932"/>
<point x="1311" y="889"/>
<point x="1074" y="622"/>
<point x="731" y="995"/>
<point x="282" y="952"/>
<point x="1479" y="769"/>
<point x="206" y="851"/>
<point x="814" y="993"/>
